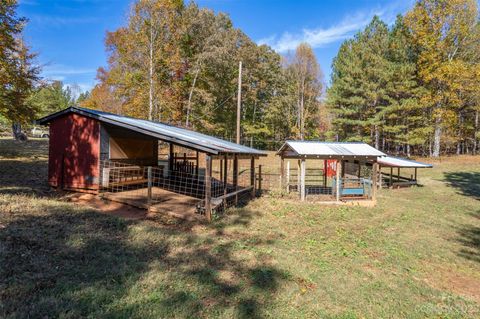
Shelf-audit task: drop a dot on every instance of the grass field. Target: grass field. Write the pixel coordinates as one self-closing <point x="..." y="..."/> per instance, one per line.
<point x="415" y="255"/>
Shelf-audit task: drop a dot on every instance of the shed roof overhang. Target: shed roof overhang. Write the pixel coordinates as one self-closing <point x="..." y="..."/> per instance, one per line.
<point x="165" y="132"/>
<point x="327" y="150"/>
<point x="392" y="161"/>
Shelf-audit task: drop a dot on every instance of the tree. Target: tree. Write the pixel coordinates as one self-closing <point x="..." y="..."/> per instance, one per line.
<point x="17" y="71"/>
<point x="304" y="70"/>
<point x="443" y="31"/>
<point x="49" y="98"/>
<point x="360" y="75"/>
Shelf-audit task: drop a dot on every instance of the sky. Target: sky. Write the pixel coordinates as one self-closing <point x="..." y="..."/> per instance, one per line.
<point x="68" y="35"/>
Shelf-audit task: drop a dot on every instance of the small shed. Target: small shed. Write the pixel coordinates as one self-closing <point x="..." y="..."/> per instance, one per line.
<point x="146" y="163"/>
<point x="340" y="166"/>
<point x="390" y="179"/>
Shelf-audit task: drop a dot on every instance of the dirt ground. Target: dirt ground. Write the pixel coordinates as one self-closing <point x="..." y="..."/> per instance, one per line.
<point x="107" y="207"/>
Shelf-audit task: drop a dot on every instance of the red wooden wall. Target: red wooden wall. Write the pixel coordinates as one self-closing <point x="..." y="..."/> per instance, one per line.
<point x="74" y="152"/>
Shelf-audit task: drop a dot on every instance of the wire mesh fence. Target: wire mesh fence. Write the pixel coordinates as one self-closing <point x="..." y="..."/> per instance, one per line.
<point x="157" y="187"/>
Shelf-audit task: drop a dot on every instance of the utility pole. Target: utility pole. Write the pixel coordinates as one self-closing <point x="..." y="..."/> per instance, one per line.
<point x="239" y="100"/>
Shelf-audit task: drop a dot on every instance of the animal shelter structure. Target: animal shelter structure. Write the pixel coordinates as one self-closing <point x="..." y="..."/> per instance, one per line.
<point x="391" y="163"/>
<point x="147" y="164"/>
<point x="343" y="171"/>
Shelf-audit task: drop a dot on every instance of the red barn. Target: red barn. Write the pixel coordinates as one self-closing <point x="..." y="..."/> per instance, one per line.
<point x="96" y="151"/>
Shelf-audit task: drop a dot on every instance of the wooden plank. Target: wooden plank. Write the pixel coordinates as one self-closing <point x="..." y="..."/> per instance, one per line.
<point x="282" y="173"/>
<point x="337" y="180"/>
<point x="374" y="180"/>
<point x="149" y="186"/>
<point x="302" y="180"/>
<point x="288" y="177"/>
<point x="208" y="187"/>
<point x="235" y="175"/>
<point x="252" y="175"/>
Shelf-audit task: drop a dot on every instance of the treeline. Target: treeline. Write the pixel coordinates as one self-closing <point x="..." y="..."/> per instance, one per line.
<point x="413" y="87"/>
<point x="409" y="88"/>
<point x="178" y="63"/>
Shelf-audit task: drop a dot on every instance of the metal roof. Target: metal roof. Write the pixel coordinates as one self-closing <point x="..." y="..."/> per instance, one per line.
<point x="329" y="149"/>
<point x="166" y="132"/>
<point x="391" y="161"/>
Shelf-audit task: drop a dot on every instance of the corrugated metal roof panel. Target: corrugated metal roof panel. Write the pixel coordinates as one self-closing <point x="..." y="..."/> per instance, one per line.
<point x="391" y="161"/>
<point x="176" y="134"/>
<point x="317" y="148"/>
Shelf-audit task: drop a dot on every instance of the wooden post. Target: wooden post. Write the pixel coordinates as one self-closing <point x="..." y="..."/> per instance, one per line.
<point x="325" y="173"/>
<point x="398" y="174"/>
<point x="235" y="175"/>
<point x="260" y="179"/>
<point x="170" y="158"/>
<point x="359" y="170"/>
<point x="391" y="177"/>
<point x="415" y="174"/>
<point x="343" y="168"/>
<point x="380" y="179"/>
<point x="208" y="187"/>
<point x="252" y="175"/>
<point x="282" y="173"/>
<point x="298" y="177"/>
<point x="374" y="180"/>
<point x="149" y="187"/>
<point x="221" y="169"/>
<point x="196" y="167"/>
<point x="225" y="179"/>
<point x="338" y="168"/>
<point x="302" y="179"/>
<point x="288" y="177"/>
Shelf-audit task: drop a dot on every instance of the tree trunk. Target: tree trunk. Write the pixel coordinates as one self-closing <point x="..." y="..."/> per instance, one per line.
<point x="187" y="122"/>
<point x="408" y="150"/>
<point x="437" y="137"/>
<point x="475" y="143"/>
<point x="377" y="137"/>
<point x="17" y="132"/>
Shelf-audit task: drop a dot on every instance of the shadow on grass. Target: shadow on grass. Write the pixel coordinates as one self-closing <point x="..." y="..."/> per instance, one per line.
<point x="25" y="176"/>
<point x="33" y="148"/>
<point x="466" y="183"/>
<point x="59" y="261"/>
<point x="470" y="239"/>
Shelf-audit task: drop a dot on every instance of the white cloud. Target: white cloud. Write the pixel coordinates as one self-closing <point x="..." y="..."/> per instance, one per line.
<point x="59" y="70"/>
<point x="319" y="37"/>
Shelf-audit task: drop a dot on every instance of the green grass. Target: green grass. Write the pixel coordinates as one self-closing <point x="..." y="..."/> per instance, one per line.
<point x="415" y="255"/>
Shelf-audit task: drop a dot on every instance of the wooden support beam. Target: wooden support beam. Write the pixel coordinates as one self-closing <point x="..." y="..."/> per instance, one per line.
<point x="343" y="168"/>
<point x="288" y="177"/>
<point x="338" y="168"/>
<point x="225" y="179"/>
<point x="398" y="173"/>
<point x="391" y="177"/>
<point x="374" y="180"/>
<point x="208" y="187"/>
<point x="252" y="176"/>
<point x="197" y="162"/>
<point x="302" y="179"/>
<point x="221" y="169"/>
<point x="325" y="173"/>
<point x="282" y="173"/>
<point x="298" y="177"/>
<point x="260" y="179"/>
<point x="235" y="176"/>
<point x="171" y="155"/>
<point x="415" y="174"/>
<point x="149" y="186"/>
